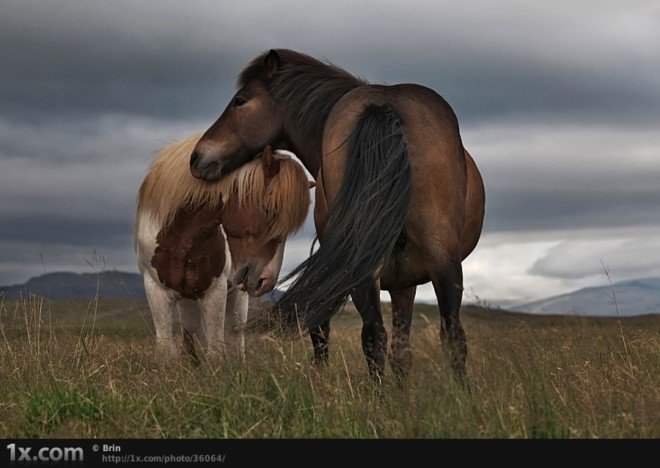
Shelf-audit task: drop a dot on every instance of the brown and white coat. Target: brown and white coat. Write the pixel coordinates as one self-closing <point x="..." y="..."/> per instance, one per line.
<point x="203" y="247"/>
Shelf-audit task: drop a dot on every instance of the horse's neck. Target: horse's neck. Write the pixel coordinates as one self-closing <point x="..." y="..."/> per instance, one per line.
<point x="305" y="147"/>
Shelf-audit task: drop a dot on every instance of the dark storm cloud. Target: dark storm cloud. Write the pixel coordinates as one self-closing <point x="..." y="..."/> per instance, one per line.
<point x="559" y="104"/>
<point x="64" y="230"/>
<point x="73" y="57"/>
<point x="509" y="211"/>
<point x="557" y="175"/>
<point x="178" y="61"/>
<point x="98" y="139"/>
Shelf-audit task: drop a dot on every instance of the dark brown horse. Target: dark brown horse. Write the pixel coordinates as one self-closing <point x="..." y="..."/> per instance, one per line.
<point x="399" y="202"/>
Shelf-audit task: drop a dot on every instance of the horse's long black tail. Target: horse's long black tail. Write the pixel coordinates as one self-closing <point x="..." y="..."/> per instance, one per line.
<point x="362" y="226"/>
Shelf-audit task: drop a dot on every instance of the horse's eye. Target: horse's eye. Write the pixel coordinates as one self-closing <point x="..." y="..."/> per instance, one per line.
<point x="239" y="101"/>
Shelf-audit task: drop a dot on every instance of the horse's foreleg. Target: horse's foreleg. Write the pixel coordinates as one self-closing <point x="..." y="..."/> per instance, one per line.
<point x="213" y="305"/>
<point x="320" y="337"/>
<point x="402" y="309"/>
<point x="162" y="306"/>
<point x="448" y="285"/>
<point x="366" y="298"/>
<point x="191" y="321"/>
<point x="236" y="318"/>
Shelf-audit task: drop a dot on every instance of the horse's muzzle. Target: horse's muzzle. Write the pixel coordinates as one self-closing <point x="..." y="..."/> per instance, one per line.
<point x="253" y="285"/>
<point x="204" y="167"/>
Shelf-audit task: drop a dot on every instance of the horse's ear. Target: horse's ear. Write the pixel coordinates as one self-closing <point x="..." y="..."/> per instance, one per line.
<point x="312" y="184"/>
<point x="270" y="162"/>
<point x="271" y="63"/>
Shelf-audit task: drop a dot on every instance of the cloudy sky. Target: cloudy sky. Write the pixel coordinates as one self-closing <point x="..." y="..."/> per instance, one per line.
<point x="559" y="103"/>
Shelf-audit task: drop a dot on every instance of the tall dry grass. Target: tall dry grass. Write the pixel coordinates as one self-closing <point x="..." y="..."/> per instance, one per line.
<point x="80" y="369"/>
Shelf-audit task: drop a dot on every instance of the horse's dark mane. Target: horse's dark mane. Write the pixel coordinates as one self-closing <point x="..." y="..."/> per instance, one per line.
<point x="307" y="88"/>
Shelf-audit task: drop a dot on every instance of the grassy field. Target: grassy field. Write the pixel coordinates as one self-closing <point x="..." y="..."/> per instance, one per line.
<point x="88" y="369"/>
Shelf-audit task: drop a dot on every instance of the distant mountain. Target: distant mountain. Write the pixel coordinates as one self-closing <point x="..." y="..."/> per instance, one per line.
<point x="62" y="286"/>
<point x="635" y="297"/>
<point x="69" y="286"/>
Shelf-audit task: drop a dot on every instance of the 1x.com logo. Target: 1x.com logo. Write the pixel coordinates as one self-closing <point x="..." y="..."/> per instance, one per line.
<point x="44" y="454"/>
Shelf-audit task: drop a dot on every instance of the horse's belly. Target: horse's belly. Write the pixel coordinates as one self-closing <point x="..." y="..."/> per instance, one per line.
<point x="405" y="269"/>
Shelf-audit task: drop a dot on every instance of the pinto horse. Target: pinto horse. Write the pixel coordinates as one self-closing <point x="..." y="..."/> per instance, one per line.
<point x="204" y="246"/>
<point x="399" y="201"/>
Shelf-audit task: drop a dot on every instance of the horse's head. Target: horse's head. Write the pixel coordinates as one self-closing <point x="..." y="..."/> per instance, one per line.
<point x="251" y="121"/>
<point x="270" y="203"/>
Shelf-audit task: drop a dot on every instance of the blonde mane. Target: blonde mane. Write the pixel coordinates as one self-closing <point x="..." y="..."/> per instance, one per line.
<point x="169" y="186"/>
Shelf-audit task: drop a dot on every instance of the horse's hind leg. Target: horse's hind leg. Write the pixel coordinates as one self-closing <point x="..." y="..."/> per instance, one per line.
<point x="366" y="298"/>
<point x="320" y="336"/>
<point x="402" y="309"/>
<point x="448" y="285"/>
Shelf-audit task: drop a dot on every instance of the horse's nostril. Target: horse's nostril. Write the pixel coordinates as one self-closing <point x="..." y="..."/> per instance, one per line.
<point x="194" y="157"/>
<point x="260" y="283"/>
